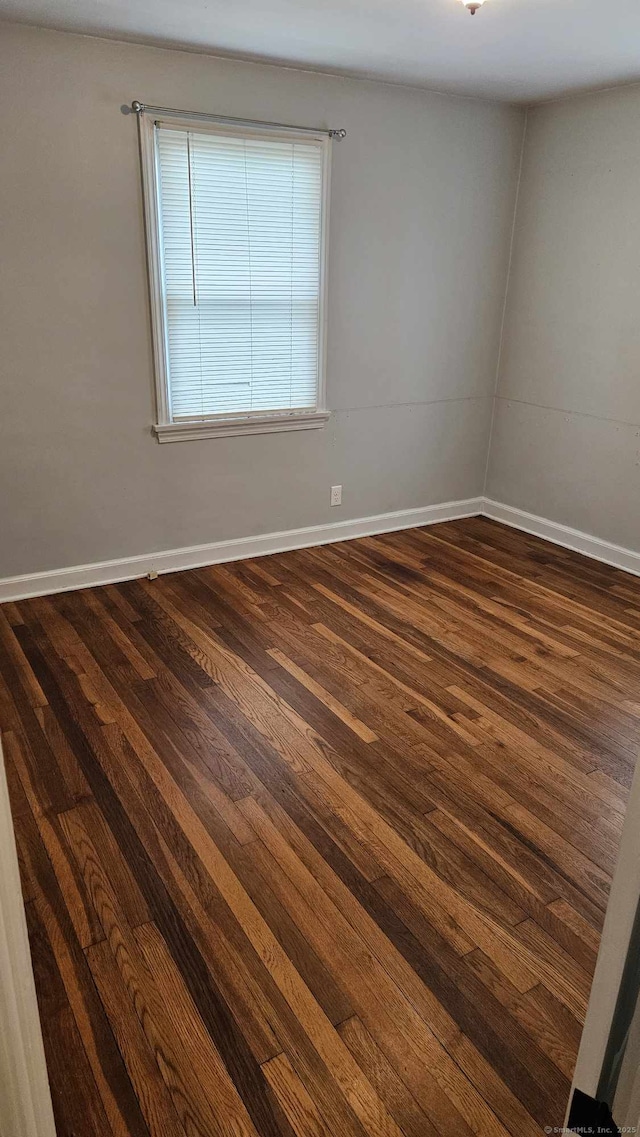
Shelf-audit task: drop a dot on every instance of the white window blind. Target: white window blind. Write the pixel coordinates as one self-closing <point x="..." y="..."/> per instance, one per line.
<point x="240" y="242"/>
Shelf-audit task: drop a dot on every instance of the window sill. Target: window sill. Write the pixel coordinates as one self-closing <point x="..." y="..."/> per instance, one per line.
<point x="270" y="424"/>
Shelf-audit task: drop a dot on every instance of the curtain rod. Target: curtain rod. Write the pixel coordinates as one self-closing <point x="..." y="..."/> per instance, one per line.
<point x="145" y="108"/>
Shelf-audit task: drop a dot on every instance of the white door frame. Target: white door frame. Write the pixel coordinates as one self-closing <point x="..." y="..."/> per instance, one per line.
<point x="25" y="1099"/>
<point x="614" y="946"/>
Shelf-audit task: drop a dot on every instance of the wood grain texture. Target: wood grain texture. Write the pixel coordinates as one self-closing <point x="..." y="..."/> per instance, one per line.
<point x="321" y="844"/>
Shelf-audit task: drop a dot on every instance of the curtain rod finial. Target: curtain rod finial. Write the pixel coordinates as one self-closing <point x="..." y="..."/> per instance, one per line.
<point x="137" y="107"/>
<point x="337" y="133"/>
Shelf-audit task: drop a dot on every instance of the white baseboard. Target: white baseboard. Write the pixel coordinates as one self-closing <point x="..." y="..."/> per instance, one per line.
<point x="196" y="556"/>
<point x="574" y="539"/>
<point x="217" y="552"/>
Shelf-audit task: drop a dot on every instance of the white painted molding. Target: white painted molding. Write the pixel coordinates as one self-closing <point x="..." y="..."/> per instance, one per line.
<point x="217" y="552"/>
<point x="196" y="556"/>
<point x="614" y="945"/>
<point x="25" y="1100"/>
<point x="189" y="431"/>
<point x="558" y="534"/>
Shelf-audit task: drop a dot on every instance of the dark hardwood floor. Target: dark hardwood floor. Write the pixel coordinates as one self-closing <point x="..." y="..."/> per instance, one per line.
<point x="321" y="843"/>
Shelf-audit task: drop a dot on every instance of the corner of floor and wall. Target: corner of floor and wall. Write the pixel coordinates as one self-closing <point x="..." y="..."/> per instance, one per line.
<point x="482" y="332"/>
<point x="565" y="444"/>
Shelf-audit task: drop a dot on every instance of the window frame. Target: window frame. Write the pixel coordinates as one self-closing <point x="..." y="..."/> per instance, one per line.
<point x="165" y="428"/>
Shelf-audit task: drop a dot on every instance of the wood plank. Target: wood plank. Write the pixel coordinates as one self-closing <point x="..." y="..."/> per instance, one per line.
<point x="77" y="1105"/>
<point x="412" y="1120"/>
<point x="141" y="1062"/>
<point x="89" y="837"/>
<point x="296" y="1102"/>
<point x="325" y="697"/>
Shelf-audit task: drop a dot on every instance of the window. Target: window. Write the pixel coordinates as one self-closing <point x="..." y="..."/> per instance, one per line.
<point x="236" y="227"/>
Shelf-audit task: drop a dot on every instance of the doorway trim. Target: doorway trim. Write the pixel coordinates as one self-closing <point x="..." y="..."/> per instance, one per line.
<point x="25" y="1102"/>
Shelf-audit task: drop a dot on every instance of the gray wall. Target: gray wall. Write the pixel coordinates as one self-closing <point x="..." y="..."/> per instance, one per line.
<point x="566" y="437"/>
<point x="421" y="212"/>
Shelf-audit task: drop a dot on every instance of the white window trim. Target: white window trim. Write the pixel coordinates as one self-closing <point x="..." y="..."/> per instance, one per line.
<point x="165" y="429"/>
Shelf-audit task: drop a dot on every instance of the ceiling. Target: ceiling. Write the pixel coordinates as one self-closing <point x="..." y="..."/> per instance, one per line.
<point x="516" y="50"/>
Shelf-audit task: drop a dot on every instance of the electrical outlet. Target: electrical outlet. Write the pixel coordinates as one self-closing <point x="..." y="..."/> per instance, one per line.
<point x="336" y="495"/>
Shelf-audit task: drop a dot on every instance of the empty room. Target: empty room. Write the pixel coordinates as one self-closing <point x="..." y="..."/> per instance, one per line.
<point x="319" y="568"/>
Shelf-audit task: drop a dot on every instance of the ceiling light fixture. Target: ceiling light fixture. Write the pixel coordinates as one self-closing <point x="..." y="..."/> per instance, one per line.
<point x="473" y="5"/>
